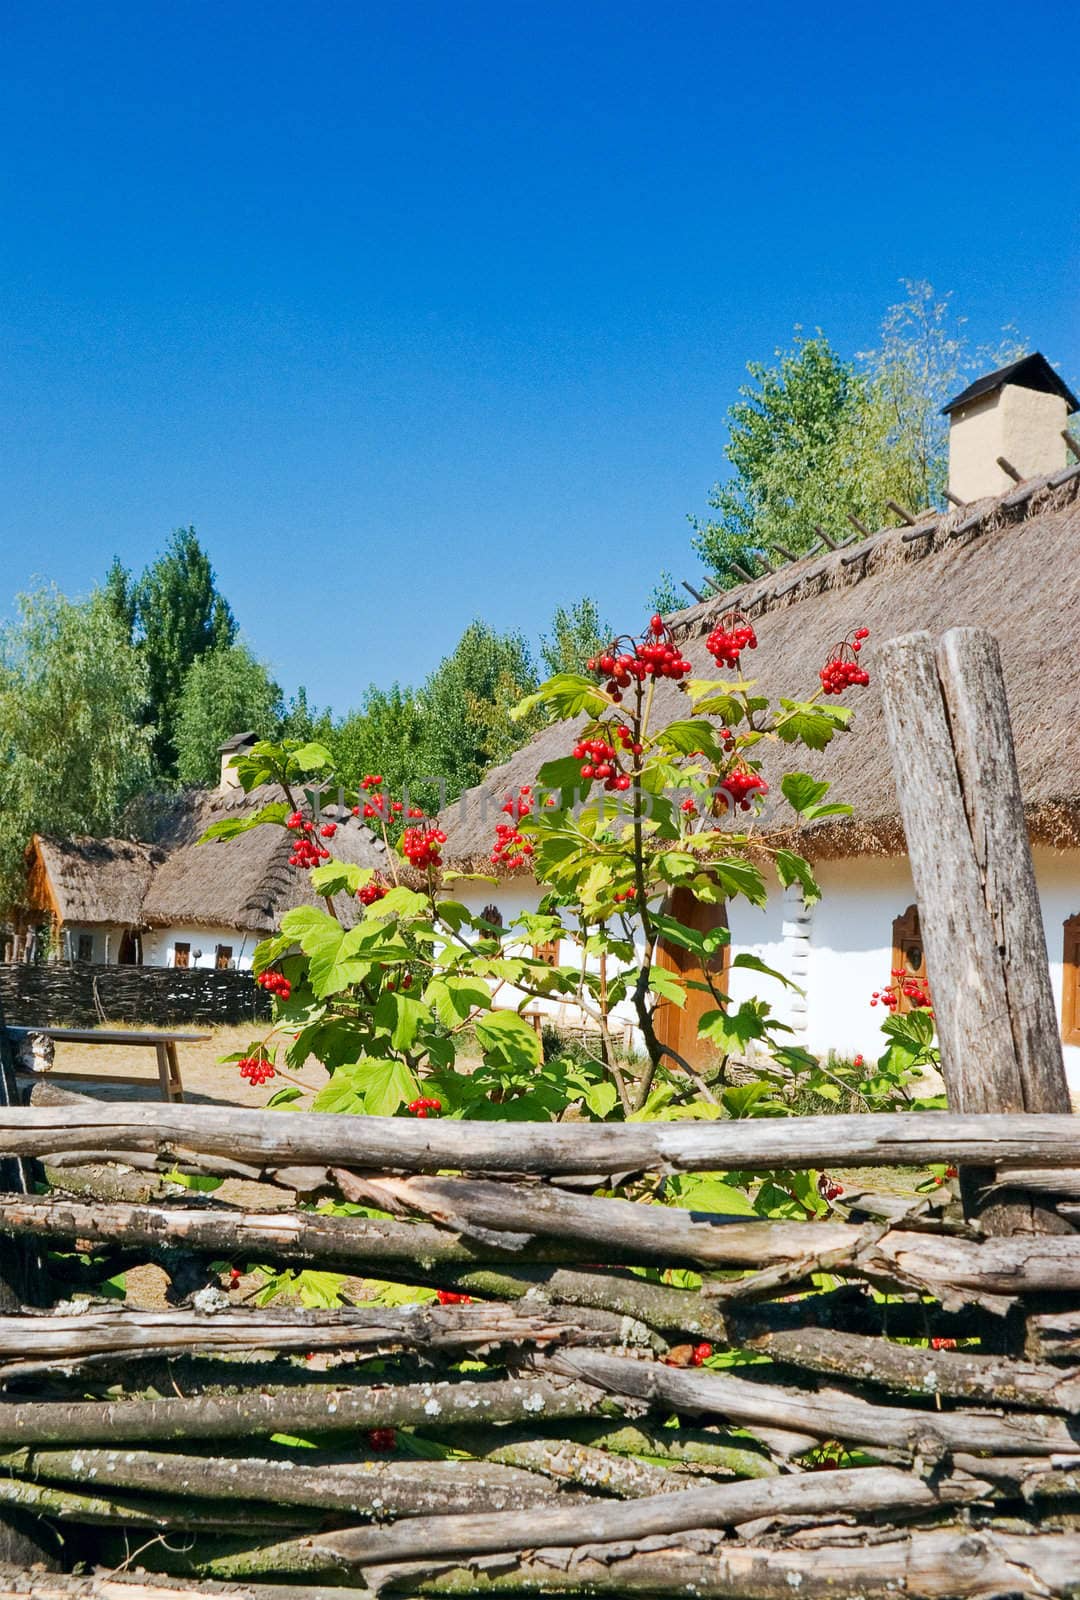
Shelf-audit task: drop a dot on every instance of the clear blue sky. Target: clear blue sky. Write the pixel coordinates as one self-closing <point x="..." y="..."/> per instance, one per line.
<point x="426" y="310"/>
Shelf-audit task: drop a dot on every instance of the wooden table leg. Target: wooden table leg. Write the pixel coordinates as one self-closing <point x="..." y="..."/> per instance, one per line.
<point x="162" y="1053"/>
<point x="176" y="1086"/>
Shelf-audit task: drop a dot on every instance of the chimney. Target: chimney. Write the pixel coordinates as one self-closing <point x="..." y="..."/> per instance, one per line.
<point x="233" y="747"/>
<point x="1017" y="413"/>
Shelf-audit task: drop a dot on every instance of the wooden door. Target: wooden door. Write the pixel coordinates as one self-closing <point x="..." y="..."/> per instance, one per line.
<point x="676" y="1026"/>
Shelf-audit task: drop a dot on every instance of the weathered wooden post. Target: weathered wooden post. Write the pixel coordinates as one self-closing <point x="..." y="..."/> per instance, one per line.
<point x="947" y="721"/>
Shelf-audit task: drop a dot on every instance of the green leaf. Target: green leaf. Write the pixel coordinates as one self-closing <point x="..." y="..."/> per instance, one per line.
<point x="334" y="876"/>
<point x="506" y="1037"/>
<point x="312" y="758"/>
<point x="667" y="985"/>
<point x="791" y="868"/>
<point x="802" y="791"/>
<point x="755" y="964"/>
<point x="565" y="695"/>
<point x="734" y="876"/>
<point x="368" y="1087"/>
<point x="401" y="1015"/>
<point x="400" y="902"/>
<point x="561" y="777"/>
<point x="692" y="1192"/>
<point x="810" y="724"/>
<point x="232" y="827"/>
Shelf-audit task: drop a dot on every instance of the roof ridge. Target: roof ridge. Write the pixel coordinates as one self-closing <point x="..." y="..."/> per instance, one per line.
<point x="937" y="528"/>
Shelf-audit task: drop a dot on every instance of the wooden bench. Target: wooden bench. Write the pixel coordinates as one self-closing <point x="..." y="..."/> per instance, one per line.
<point x="164" y="1045"/>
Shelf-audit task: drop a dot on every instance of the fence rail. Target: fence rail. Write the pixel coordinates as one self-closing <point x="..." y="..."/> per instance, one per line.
<point x="81" y="994"/>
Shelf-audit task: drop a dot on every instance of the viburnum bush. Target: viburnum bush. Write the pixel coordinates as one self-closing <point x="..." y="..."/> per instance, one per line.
<point x="413" y="1002"/>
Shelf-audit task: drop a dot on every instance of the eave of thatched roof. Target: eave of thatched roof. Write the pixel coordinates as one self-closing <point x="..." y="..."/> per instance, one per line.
<point x="92" y="881"/>
<point x="1008" y="564"/>
<point x="244" y="883"/>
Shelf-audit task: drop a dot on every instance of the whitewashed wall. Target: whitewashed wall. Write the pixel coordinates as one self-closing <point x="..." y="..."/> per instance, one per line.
<point x="838" y="953"/>
<point x="159" y="946"/>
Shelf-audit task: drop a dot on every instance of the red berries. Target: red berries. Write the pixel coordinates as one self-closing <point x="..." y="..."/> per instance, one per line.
<point x="382" y="1440"/>
<point x="626" y="661"/>
<point x="689" y="806"/>
<point x="275" y="983"/>
<point x="951" y="1172"/>
<point x="601" y="761"/>
<point x="424" y="1107"/>
<point x="701" y="1354"/>
<point x="828" y="1189"/>
<point x="857" y="1061"/>
<point x="371" y="892"/>
<point x="305" y="852"/>
<point x="741" y="784"/>
<point x="446" y="1297"/>
<point x="421" y="846"/>
<point x="904" y="986"/>
<point x="257" y="1069"/>
<point x="731" y="636"/>
<point x="943" y="1344"/>
<point x="511" y="848"/>
<point x="842" y="668"/>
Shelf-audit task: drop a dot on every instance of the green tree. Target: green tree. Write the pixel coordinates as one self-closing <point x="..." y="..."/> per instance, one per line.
<point x="179" y="616"/>
<point x="384" y="735"/>
<point x="303" y="721"/>
<point x="466" y="706"/>
<point x="795" y="435"/>
<point x="224" y="691"/>
<point x="73" y="746"/>
<point x="815" y="438"/>
<point x="577" y="632"/>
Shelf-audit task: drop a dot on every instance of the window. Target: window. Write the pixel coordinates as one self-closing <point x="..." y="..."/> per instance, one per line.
<point x="223" y="957"/>
<point x="547" y="951"/>
<point x="908" y="954"/>
<point x="84" y="950"/>
<point x="1070" y="982"/>
<point x="181" y="955"/>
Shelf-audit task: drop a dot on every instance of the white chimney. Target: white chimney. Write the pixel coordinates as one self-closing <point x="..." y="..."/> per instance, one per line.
<point x="233" y="747"/>
<point x="1017" y="414"/>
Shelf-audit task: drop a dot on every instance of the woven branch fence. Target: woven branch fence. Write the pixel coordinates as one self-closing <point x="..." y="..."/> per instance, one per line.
<point x="82" y="994"/>
<point x="890" y="1404"/>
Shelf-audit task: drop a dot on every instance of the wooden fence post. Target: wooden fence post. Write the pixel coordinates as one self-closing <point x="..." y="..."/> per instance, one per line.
<point x="947" y="722"/>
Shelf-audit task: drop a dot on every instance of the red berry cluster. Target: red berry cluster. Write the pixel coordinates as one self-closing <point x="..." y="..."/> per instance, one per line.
<point x="446" y="1297"/>
<point x="275" y="983"/>
<point x="382" y="1439"/>
<point x="688" y="1355"/>
<point x="257" y="1069"/>
<point x="599" y="760"/>
<point x="375" y="890"/>
<point x="741" y="784"/>
<point x="857" y="1061"/>
<point x="421" y="845"/>
<point x="943" y="1344"/>
<point x="828" y="1188"/>
<point x="655" y="655"/>
<point x="701" y="1354"/>
<point x="621" y="896"/>
<point x="378" y="804"/>
<point x="424" y="1107"/>
<point x="689" y="805"/>
<point x="731" y="636"/>
<point x="904" y="986"/>
<point x="512" y="849"/>
<point x="305" y="852"/>
<point x="234" y="1277"/>
<point x="842" y="668"/>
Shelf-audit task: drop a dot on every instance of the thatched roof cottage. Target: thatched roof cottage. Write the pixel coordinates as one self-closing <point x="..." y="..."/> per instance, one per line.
<point x="1006" y="558"/>
<point x="174" y="902"/>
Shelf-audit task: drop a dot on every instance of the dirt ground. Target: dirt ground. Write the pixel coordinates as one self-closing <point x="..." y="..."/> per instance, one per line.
<point x="207" y="1081"/>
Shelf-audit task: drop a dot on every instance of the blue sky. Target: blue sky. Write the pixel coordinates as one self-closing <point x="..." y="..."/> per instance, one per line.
<point x="420" y="311"/>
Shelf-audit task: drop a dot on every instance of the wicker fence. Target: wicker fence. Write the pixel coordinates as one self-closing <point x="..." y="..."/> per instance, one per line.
<point x="82" y="994"/>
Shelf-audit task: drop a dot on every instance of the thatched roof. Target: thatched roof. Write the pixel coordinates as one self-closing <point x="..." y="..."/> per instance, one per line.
<point x="93" y="881"/>
<point x="246" y="882"/>
<point x="1008" y="564"/>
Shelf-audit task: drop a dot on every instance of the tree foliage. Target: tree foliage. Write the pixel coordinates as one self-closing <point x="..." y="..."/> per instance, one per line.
<point x="72" y="741"/>
<point x="466" y="705"/>
<point x="224" y="691"/>
<point x="815" y="438"/>
<point x="577" y="632"/>
<point x="174" y="614"/>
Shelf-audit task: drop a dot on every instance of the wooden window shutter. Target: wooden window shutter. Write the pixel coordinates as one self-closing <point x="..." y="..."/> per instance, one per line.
<point x="1070" y="982"/>
<point x="908" y="954"/>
